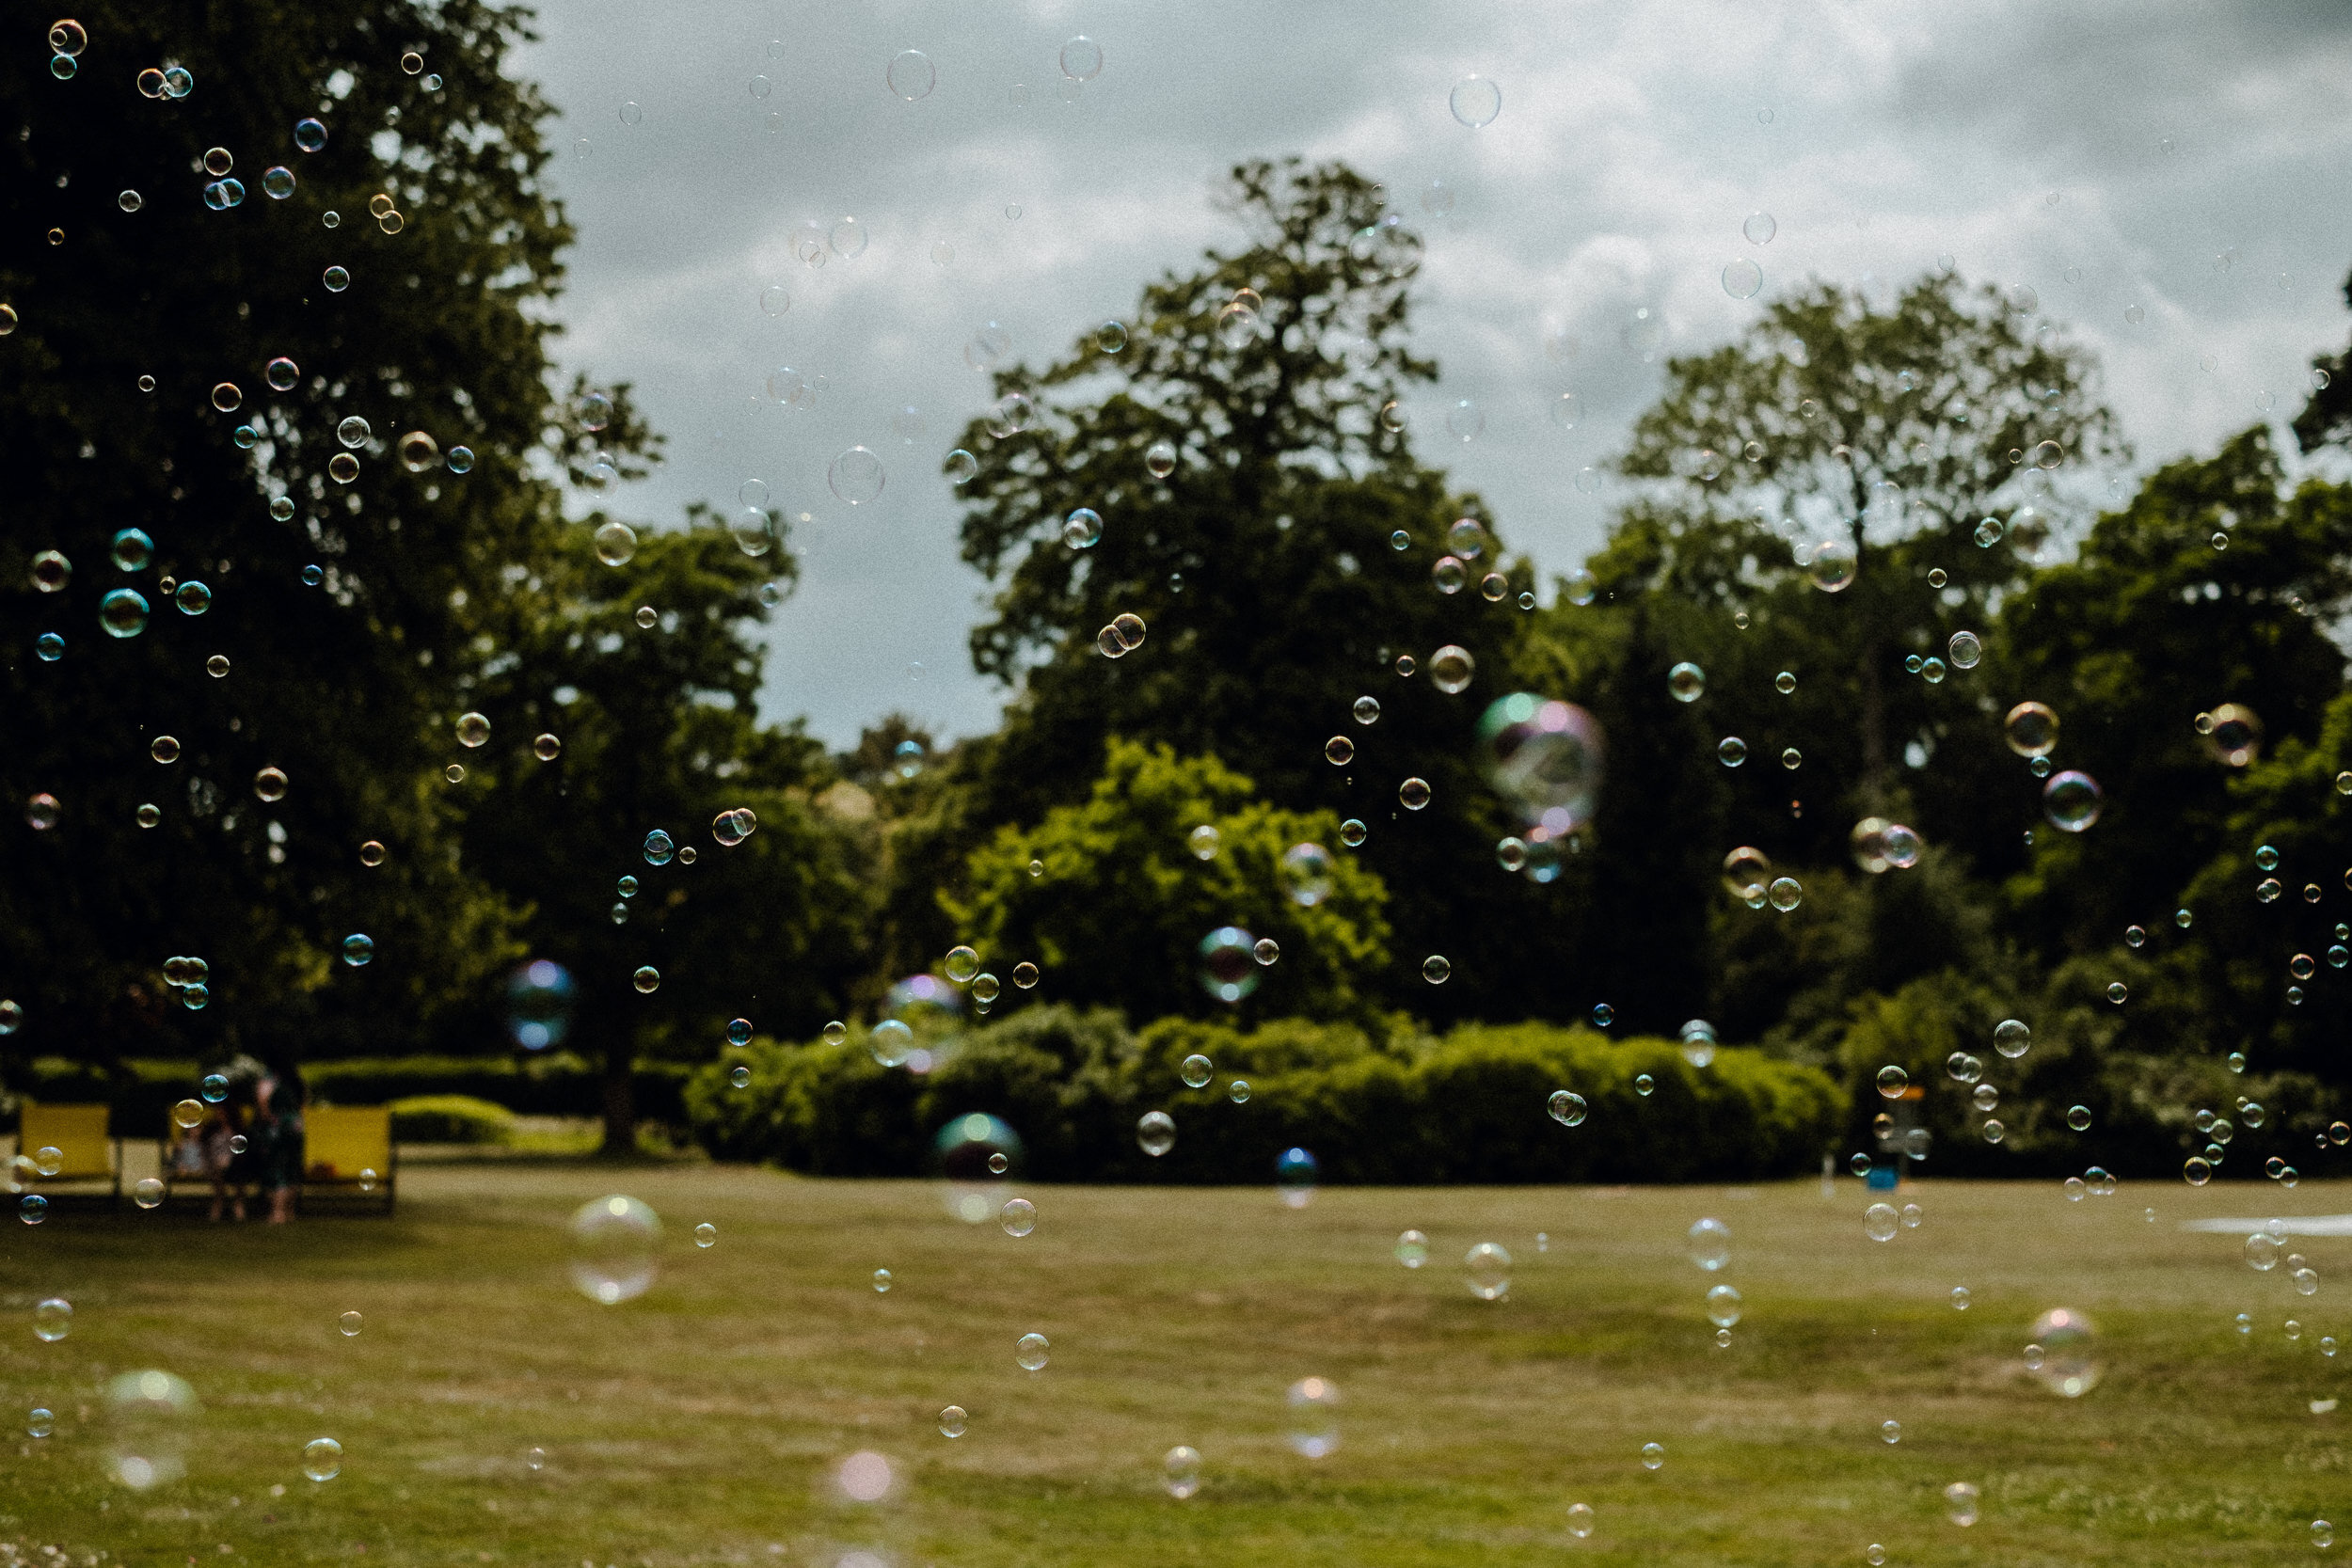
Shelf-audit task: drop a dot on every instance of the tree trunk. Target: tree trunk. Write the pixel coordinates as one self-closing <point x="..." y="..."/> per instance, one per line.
<point x="620" y="1095"/>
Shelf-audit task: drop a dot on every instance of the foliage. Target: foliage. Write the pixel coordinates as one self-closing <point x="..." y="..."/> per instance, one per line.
<point x="443" y="329"/>
<point x="1263" y="568"/>
<point x="1123" y="902"/>
<point x="1379" y="1105"/>
<point x="450" y="1118"/>
<point x="658" y="731"/>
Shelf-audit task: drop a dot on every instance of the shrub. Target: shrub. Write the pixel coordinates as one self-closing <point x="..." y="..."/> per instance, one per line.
<point x="1393" y="1108"/>
<point x="450" y="1118"/>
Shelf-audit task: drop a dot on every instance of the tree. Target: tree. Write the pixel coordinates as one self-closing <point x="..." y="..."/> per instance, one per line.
<point x="2153" y="625"/>
<point x="1808" y="519"/>
<point x="133" y="393"/>
<point x="1888" y="435"/>
<point x="646" y="676"/>
<point x="1113" y="898"/>
<point x="1258" y="548"/>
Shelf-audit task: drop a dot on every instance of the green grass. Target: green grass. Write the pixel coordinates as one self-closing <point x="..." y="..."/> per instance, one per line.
<point x="705" y="1422"/>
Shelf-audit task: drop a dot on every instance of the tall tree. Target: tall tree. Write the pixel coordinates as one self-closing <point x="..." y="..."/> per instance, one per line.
<point x="188" y="357"/>
<point x="1866" y="445"/>
<point x="1262" y="512"/>
<point x="645" y="675"/>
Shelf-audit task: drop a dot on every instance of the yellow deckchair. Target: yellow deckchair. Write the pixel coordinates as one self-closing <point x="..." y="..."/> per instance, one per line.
<point x="79" y="1133"/>
<point x="349" y="1148"/>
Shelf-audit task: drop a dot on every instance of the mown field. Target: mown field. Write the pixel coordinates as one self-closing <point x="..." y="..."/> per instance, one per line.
<point x="708" y="1420"/>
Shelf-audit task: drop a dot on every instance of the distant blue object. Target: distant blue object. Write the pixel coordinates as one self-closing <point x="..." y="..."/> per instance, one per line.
<point x="1883" y="1178"/>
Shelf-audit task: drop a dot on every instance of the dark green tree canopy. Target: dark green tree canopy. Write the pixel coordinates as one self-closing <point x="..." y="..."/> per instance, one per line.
<point x="438" y="329"/>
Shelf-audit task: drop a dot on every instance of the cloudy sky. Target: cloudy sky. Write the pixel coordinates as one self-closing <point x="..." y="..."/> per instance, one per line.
<point x="2186" y="158"/>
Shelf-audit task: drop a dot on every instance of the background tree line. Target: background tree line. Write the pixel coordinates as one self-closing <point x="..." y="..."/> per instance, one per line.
<point x="1265" y="514"/>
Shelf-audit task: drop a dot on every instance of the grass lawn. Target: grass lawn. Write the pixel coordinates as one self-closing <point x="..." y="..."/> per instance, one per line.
<point x="707" y="1420"/>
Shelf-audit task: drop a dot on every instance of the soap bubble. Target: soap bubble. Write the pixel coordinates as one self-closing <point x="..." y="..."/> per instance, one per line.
<point x="1030" y="1351"/>
<point x="1892" y="1082"/>
<point x="1567" y="1109"/>
<point x="1227" y="970"/>
<point x="1437" y="969"/>
<point x="1742" y="278"/>
<point x="2031" y="728"/>
<point x="912" y="75"/>
<point x="856" y="476"/>
<point x="1155" y="1133"/>
<point x="1722" y="1306"/>
<point x="1545" y="757"/>
<point x="1314" y="1424"/>
<point x="539" y="1004"/>
<point x="1412" y="1249"/>
<point x="1832" y="564"/>
<point x="1295" y="1174"/>
<point x="1686" y="682"/>
<point x="1180" y="1471"/>
<point x="616" y="544"/>
<point x="2068" y="1343"/>
<point x="1711" y="1244"/>
<point x="1880" y="1222"/>
<point x="1305" y="871"/>
<point x="1475" y="101"/>
<point x="1653" y="1456"/>
<point x="149" y="1417"/>
<point x="321" y="1459"/>
<point x="1486" y="1269"/>
<point x="1082" y="529"/>
<point x="1081" y="59"/>
<point x="2071" y="800"/>
<point x="613" y="1243"/>
<point x="1018" y="1216"/>
<point x="2235" y="735"/>
<point x="53" y="1319"/>
<point x="1758" y="228"/>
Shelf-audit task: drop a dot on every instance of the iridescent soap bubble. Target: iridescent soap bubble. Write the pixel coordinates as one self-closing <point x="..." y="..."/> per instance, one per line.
<point x="1412" y="1249"/>
<point x="53" y="1319"/>
<point x="149" y="1422"/>
<point x="856" y="476"/>
<point x="1306" y="872"/>
<point x="1082" y="529"/>
<point x="1486" y="1269"/>
<point x="1031" y="1350"/>
<point x="613" y="1242"/>
<point x="1545" y="757"/>
<point x="123" y="612"/>
<point x="321" y="1459"/>
<point x="1831" y="565"/>
<point x="1722" y="1306"/>
<point x="2233" y="733"/>
<point x="2068" y="1343"/>
<point x="1295" y="1172"/>
<point x="1018" y="1217"/>
<point x="1155" y="1133"/>
<point x="2031" y="728"/>
<point x="1567" y="1108"/>
<point x="1314" y="1420"/>
<point x="1475" y="101"/>
<point x="1880" y="1222"/>
<point x="911" y="75"/>
<point x="2071" y="800"/>
<point x="1180" y="1472"/>
<point x="1081" y="59"/>
<point x="1742" y="278"/>
<point x="1709" y="1241"/>
<point x="1227" y="970"/>
<point x="1437" y="969"/>
<point x="1686" y="682"/>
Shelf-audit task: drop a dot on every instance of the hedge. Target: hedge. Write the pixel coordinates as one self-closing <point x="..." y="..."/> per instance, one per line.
<point x="1470" y="1107"/>
<point x="450" y="1118"/>
<point x="555" y="1084"/>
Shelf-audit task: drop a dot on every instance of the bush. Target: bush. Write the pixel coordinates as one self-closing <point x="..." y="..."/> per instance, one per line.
<point x="450" y="1118"/>
<point x="1376" y="1108"/>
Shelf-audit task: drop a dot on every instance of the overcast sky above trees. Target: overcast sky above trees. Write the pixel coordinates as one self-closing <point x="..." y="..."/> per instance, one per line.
<point x="2184" y="159"/>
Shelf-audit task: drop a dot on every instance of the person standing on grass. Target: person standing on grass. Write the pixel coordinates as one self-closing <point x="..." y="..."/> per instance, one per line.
<point x="279" y="1143"/>
<point x="215" y="1139"/>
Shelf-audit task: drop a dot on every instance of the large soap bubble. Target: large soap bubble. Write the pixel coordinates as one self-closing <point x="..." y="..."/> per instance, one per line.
<point x="1545" y="757"/>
